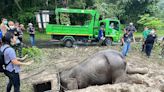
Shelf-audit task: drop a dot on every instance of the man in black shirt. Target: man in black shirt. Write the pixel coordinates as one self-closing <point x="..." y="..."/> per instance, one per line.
<point x="150" y="42"/>
<point x="126" y="40"/>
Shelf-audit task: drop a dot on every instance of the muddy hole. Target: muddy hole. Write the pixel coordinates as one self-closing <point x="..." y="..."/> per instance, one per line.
<point x="42" y="87"/>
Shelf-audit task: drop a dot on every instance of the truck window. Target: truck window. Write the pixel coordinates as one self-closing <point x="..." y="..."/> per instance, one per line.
<point x="114" y="25"/>
<point x="75" y="19"/>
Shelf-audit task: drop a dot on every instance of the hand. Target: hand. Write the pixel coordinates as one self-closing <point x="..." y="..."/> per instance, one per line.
<point x="29" y="63"/>
<point x="24" y="57"/>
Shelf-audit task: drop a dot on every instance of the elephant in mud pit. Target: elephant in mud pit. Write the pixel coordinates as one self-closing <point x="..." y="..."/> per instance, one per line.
<point x="104" y="67"/>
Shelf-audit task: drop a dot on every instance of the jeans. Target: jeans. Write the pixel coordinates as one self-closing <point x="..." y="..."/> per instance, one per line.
<point x="148" y="49"/>
<point x="13" y="80"/>
<point x="32" y="39"/>
<point x="126" y="48"/>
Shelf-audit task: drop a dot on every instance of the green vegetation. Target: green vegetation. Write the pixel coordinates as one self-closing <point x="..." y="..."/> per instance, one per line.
<point x="33" y="53"/>
<point x="38" y="36"/>
<point x="125" y="10"/>
<point x="151" y="22"/>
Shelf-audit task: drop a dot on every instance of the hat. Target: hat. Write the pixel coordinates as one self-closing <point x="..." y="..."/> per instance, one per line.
<point x="131" y="23"/>
<point x="30" y="24"/>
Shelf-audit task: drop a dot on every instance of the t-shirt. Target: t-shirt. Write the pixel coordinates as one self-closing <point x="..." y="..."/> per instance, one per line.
<point x="128" y="37"/>
<point x="31" y="30"/>
<point x="10" y="55"/>
<point x="14" y="31"/>
<point x="146" y="33"/>
<point x="130" y="28"/>
<point x="150" y="39"/>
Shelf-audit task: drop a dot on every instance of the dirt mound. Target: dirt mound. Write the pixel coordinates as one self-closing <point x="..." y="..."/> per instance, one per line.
<point x="59" y="59"/>
<point x="122" y="87"/>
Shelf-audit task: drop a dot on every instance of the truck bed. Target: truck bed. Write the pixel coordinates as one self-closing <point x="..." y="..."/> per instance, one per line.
<point x="68" y="30"/>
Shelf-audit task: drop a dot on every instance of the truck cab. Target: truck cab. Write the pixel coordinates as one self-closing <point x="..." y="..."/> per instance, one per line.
<point x="113" y="31"/>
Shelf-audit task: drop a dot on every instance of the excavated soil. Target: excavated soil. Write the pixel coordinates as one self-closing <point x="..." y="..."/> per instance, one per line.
<point x="60" y="58"/>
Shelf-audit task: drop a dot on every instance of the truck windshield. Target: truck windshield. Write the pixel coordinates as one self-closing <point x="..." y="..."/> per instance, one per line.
<point x="114" y="25"/>
<point x="75" y="19"/>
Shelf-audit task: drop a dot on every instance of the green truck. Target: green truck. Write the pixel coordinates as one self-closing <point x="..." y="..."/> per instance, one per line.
<point x="85" y="30"/>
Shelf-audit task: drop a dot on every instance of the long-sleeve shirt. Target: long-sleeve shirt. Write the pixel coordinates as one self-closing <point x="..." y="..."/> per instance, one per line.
<point x="101" y="34"/>
<point x="150" y="39"/>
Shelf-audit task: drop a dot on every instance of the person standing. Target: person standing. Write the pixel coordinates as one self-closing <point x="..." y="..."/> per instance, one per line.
<point x="19" y="30"/>
<point x="150" y="42"/>
<point x="101" y="36"/>
<point x="14" y="30"/>
<point x="4" y="26"/>
<point x="131" y="28"/>
<point x="145" y="33"/>
<point x="12" y="68"/>
<point x="31" y="31"/>
<point x="126" y="40"/>
<point x="20" y="38"/>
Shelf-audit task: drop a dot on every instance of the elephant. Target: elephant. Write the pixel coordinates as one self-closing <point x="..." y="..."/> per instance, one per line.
<point x="103" y="67"/>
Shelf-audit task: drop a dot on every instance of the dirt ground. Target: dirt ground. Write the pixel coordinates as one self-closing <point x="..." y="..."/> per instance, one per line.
<point x="60" y="58"/>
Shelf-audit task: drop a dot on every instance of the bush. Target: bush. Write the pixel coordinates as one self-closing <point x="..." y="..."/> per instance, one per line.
<point x="151" y="22"/>
<point x="33" y="53"/>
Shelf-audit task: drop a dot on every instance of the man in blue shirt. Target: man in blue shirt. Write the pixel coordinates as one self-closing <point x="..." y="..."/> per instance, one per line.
<point x="101" y="35"/>
<point x="12" y="68"/>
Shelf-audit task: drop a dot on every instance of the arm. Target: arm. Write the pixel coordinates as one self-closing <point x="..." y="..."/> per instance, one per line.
<point x="134" y="40"/>
<point x="16" y="62"/>
<point x="122" y="39"/>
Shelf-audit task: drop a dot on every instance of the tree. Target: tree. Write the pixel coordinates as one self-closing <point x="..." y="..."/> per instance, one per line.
<point x="151" y="22"/>
<point x="125" y="10"/>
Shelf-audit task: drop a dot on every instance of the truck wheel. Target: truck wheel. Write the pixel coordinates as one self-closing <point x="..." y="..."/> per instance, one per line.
<point x="68" y="43"/>
<point x="108" y="42"/>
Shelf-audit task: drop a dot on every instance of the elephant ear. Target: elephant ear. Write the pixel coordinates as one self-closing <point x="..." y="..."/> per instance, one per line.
<point x="72" y="84"/>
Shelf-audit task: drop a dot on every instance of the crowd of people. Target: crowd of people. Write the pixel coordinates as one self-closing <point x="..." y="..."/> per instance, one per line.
<point x="149" y="37"/>
<point x="11" y="39"/>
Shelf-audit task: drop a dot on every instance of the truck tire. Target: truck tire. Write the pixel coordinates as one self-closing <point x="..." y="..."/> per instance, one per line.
<point x="68" y="43"/>
<point x="108" y="42"/>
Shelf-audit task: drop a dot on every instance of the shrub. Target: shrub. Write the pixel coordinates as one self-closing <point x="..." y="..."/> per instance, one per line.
<point x="33" y="53"/>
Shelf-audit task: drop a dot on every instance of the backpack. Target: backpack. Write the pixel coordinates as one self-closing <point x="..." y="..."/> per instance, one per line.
<point x="2" y="61"/>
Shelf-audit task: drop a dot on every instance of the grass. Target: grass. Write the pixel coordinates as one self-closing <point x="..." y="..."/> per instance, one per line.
<point x="38" y="36"/>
